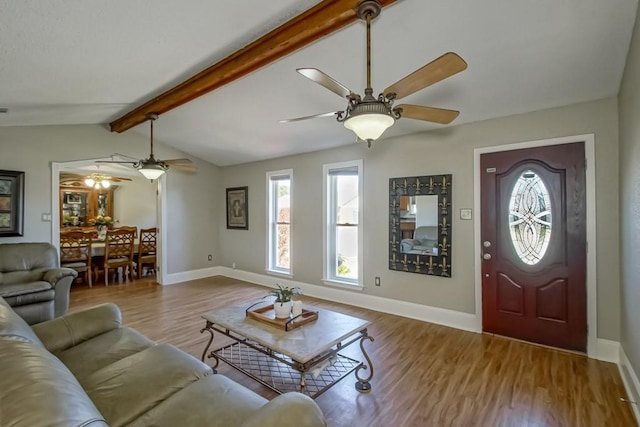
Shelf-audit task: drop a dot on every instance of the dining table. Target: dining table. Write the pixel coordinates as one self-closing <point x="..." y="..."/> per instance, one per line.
<point x="98" y="247"/>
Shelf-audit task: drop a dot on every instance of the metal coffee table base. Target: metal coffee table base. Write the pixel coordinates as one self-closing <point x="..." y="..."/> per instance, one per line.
<point x="281" y="374"/>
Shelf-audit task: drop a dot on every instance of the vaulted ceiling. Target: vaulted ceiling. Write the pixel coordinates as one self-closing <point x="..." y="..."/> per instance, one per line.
<point x="91" y="62"/>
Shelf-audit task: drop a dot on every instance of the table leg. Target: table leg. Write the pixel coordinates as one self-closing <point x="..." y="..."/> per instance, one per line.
<point x="209" y="328"/>
<point x="303" y="382"/>
<point x="363" y="384"/>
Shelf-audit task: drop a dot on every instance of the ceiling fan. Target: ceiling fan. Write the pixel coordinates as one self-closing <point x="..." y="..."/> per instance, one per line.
<point x="98" y="180"/>
<point x="369" y="117"/>
<point x="151" y="167"/>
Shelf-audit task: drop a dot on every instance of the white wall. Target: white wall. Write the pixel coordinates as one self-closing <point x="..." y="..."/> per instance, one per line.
<point x="135" y="203"/>
<point x="629" y="104"/>
<point x="192" y="198"/>
<point x="449" y="150"/>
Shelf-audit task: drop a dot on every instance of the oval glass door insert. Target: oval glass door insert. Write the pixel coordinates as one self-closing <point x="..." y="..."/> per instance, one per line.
<point x="530" y="217"/>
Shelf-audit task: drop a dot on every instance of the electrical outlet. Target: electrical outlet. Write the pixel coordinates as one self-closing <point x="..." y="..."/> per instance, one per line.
<point x="377" y="281"/>
<point x="233" y="265"/>
<point x="210" y="257"/>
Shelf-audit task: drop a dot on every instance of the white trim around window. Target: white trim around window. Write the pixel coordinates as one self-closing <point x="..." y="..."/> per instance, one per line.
<point x="279" y="223"/>
<point x="343" y="224"/>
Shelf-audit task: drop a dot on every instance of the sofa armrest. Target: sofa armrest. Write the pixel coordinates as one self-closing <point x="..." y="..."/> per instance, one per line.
<point x="55" y="275"/>
<point x="288" y="410"/>
<point x="61" y="280"/>
<point x="67" y="331"/>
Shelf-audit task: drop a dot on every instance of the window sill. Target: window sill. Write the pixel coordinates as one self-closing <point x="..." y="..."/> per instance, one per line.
<point x="279" y="274"/>
<point x="344" y="285"/>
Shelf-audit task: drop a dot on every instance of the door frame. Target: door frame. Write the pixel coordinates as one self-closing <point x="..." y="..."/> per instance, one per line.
<point x="57" y="167"/>
<point x="589" y="152"/>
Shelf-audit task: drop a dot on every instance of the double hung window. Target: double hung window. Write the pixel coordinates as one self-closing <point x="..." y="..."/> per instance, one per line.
<point x="343" y="221"/>
<point x="279" y="221"/>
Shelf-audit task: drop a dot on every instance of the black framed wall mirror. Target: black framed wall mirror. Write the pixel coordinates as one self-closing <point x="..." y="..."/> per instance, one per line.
<point x="420" y="224"/>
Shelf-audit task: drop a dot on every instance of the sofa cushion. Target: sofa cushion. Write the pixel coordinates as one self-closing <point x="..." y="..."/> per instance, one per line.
<point x="24" y="288"/>
<point x="13" y="327"/>
<point x="26" y="262"/>
<point x="128" y="388"/>
<point x="38" y="390"/>
<point x="72" y="329"/>
<point x="27" y="293"/>
<point x="216" y="398"/>
<point x="103" y="350"/>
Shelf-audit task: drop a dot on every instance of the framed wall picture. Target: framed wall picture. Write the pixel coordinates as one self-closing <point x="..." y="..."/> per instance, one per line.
<point x="238" y="208"/>
<point x="11" y="203"/>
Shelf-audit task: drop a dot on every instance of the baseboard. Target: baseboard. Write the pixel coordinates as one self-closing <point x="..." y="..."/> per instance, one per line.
<point x="631" y="383"/>
<point x="440" y="316"/>
<point x="607" y="350"/>
<point x="185" y="276"/>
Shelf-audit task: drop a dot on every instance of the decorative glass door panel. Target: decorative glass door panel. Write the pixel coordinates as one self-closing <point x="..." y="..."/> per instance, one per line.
<point x="530" y="217"/>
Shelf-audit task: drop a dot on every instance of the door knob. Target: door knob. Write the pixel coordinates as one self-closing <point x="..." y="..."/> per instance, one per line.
<point x="486" y="256"/>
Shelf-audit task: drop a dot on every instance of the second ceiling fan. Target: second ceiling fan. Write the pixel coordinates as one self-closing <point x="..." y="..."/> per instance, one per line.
<point x="151" y="167"/>
<point x="369" y="117"/>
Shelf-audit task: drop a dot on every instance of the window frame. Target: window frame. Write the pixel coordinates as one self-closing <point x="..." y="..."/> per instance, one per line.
<point x="328" y="239"/>
<point x="272" y="224"/>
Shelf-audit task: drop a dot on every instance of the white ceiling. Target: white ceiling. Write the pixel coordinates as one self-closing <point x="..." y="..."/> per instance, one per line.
<point x="90" y="61"/>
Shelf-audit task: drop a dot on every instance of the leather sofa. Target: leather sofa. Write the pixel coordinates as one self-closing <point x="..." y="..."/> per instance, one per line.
<point x="85" y="369"/>
<point x="32" y="282"/>
<point x="425" y="241"/>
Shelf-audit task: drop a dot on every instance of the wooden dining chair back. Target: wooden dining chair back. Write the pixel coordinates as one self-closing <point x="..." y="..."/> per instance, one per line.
<point x="119" y="250"/>
<point x="75" y="252"/>
<point x="147" y="249"/>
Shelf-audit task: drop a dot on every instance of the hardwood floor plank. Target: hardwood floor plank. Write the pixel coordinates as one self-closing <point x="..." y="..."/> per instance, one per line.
<point x="424" y="374"/>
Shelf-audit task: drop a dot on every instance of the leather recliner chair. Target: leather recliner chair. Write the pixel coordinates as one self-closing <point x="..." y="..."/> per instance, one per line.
<point x="32" y="282"/>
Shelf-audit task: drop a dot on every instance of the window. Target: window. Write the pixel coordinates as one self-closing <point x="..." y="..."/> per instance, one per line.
<point x="279" y="221"/>
<point x="530" y="217"/>
<point x="343" y="219"/>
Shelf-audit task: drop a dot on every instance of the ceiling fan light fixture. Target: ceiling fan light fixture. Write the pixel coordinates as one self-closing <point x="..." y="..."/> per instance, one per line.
<point x="89" y="182"/>
<point x="152" y="171"/>
<point x="369" y="120"/>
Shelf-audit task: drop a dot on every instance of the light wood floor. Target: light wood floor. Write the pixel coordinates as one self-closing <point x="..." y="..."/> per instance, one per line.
<point x="424" y="374"/>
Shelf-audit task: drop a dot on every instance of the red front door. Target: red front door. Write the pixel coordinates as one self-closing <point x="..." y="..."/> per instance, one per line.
<point x="534" y="245"/>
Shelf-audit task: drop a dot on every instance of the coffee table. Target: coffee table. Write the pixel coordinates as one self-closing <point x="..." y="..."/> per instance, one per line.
<point x="304" y="359"/>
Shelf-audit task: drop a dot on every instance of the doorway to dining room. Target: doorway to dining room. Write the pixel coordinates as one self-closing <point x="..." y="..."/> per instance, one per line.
<point x="129" y="199"/>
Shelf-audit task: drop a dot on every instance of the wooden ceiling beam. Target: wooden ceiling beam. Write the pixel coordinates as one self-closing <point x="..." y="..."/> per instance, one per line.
<point x="321" y="20"/>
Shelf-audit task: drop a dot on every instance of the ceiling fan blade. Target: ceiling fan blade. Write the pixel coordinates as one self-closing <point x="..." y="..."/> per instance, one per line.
<point x="428" y="114"/>
<point x="185" y="168"/>
<point x="115" y="161"/>
<point x="177" y="161"/>
<point x="324" y="80"/>
<point x="297" y="119"/>
<point x="439" y="69"/>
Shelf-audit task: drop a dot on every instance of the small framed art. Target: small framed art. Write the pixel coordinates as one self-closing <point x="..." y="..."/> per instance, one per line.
<point x="238" y="208"/>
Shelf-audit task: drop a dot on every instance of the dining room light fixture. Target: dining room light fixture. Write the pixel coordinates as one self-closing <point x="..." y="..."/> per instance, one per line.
<point x="97" y="181"/>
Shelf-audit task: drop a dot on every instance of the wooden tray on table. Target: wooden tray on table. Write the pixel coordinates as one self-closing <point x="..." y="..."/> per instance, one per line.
<point x="267" y="315"/>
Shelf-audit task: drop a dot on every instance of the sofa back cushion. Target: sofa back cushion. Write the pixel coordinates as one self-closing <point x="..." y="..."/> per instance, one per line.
<point x="14" y="328"/>
<point x="26" y="262"/>
<point x="38" y="390"/>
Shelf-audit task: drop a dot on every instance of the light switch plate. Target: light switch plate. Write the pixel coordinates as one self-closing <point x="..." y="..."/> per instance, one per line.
<point x="465" y="214"/>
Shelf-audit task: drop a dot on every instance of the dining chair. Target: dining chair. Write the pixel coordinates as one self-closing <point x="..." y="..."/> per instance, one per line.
<point x="75" y="252"/>
<point x="147" y="249"/>
<point x="119" y="250"/>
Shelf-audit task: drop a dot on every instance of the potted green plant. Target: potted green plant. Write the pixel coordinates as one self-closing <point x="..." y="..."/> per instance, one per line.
<point x="282" y="303"/>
